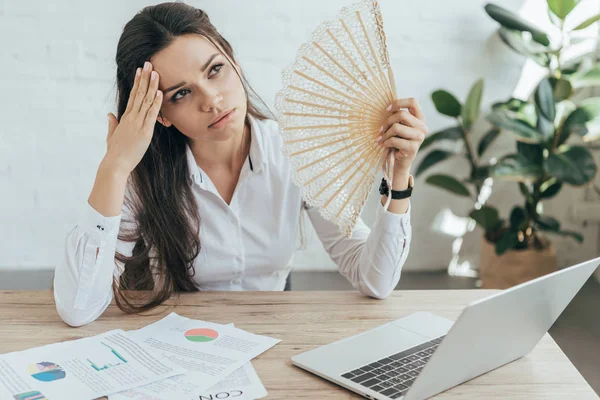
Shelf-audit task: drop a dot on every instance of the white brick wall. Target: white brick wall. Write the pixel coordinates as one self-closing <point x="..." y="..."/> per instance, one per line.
<point x="57" y="84"/>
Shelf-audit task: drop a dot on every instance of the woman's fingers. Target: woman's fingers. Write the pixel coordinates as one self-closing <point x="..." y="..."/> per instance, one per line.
<point x="136" y="84"/>
<point x="152" y="113"/>
<point x="406" y="124"/>
<point x="411" y="104"/>
<point x="152" y="102"/>
<point x="403" y="131"/>
<point x="112" y="125"/>
<point x="406" y="118"/>
<point x="143" y="87"/>
<point x="404" y="146"/>
<point x="151" y="93"/>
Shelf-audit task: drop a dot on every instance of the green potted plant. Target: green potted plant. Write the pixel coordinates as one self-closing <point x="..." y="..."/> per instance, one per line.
<point x="552" y="134"/>
<point x="517" y="249"/>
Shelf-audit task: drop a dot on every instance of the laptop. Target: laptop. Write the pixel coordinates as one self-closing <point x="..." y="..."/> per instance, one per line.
<point x="423" y="354"/>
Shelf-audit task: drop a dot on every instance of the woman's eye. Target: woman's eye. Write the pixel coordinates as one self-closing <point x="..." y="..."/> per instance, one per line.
<point x="175" y="98"/>
<point x="216" y="68"/>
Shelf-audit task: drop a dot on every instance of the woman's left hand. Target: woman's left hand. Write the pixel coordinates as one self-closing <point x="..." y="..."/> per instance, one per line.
<point x="403" y="131"/>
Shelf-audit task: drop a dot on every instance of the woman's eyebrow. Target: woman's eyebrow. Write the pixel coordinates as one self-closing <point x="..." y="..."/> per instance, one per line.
<point x="180" y="84"/>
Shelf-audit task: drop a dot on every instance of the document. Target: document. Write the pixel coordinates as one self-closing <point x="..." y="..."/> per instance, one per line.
<point x="216" y="358"/>
<point x="242" y="384"/>
<point x="81" y="369"/>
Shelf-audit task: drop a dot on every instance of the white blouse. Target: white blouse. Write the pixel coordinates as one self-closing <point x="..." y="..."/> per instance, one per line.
<point x="246" y="245"/>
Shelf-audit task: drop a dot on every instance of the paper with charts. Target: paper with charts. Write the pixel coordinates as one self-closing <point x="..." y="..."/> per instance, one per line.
<point x="214" y="356"/>
<point x="81" y="369"/>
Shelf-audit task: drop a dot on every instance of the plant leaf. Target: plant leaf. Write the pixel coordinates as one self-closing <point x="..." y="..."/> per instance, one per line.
<point x="572" y="68"/>
<point x="515" y="40"/>
<point x="511" y="20"/>
<point x="562" y="8"/>
<point x="452" y="133"/>
<point x="534" y="153"/>
<point x="479" y="173"/>
<point x="575" y="235"/>
<point x="587" y="111"/>
<point x="524" y="131"/>
<point x="470" y="111"/>
<point x="448" y="183"/>
<point x="446" y="103"/>
<point x="487" y="140"/>
<point x="515" y="167"/>
<point x="544" y="99"/>
<point x="553" y="18"/>
<point x="545" y="128"/>
<point x="575" y="166"/>
<point x="508" y="241"/>
<point x="550" y="188"/>
<point x="563" y="109"/>
<point x="561" y="89"/>
<point x="591" y="77"/>
<point x="518" y="219"/>
<point x="487" y="217"/>
<point x="518" y="109"/>
<point x="547" y="223"/>
<point x="434" y="157"/>
<point x="587" y="22"/>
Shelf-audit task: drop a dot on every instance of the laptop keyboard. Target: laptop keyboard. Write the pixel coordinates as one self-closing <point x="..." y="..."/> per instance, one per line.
<point x="393" y="375"/>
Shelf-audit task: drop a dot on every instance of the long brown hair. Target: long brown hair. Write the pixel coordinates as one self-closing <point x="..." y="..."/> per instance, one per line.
<point x="164" y="212"/>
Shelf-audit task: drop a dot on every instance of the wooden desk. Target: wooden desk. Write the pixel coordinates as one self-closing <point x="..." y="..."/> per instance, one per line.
<point x="304" y="320"/>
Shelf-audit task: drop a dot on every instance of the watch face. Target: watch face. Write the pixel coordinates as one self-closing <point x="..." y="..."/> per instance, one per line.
<point x="397" y="194"/>
<point x="382" y="187"/>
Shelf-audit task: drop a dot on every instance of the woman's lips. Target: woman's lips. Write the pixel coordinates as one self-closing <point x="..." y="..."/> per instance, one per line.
<point x="220" y="123"/>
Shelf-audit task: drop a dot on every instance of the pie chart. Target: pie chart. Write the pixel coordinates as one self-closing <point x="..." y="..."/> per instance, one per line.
<point x="46" y="371"/>
<point x="201" y="335"/>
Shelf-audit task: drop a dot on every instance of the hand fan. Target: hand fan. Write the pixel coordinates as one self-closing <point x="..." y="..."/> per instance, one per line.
<point x="330" y="108"/>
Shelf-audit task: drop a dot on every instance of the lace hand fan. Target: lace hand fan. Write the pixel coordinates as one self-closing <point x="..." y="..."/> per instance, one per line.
<point x="330" y="109"/>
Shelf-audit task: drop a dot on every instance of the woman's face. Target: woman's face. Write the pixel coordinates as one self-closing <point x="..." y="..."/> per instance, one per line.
<point x="199" y="85"/>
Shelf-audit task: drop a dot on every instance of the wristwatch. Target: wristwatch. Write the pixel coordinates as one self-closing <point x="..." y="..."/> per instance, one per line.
<point x="397" y="194"/>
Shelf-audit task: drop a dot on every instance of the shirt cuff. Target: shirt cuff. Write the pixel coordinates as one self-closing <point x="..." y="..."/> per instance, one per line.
<point x="97" y="224"/>
<point x="392" y="223"/>
<point x="96" y="228"/>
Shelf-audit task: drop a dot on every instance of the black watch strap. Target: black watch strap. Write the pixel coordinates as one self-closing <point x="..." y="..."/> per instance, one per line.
<point x="396" y="194"/>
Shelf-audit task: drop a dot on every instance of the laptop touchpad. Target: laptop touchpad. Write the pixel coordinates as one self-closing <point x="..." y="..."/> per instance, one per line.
<point x="425" y="323"/>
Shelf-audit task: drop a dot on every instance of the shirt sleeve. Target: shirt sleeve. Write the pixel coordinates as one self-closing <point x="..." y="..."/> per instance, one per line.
<point x="83" y="281"/>
<point x="371" y="260"/>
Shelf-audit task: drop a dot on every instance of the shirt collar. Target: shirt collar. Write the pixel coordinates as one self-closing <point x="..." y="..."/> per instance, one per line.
<point x="257" y="154"/>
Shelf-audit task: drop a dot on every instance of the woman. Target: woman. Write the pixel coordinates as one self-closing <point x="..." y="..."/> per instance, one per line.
<point x="194" y="193"/>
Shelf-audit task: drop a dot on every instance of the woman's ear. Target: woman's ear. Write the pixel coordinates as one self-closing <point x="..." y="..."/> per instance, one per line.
<point x="164" y="121"/>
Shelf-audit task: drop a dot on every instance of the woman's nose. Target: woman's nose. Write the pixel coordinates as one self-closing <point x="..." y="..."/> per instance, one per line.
<point x="211" y="99"/>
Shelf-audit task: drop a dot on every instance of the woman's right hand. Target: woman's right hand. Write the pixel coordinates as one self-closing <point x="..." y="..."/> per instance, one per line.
<point x="128" y="139"/>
